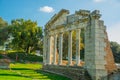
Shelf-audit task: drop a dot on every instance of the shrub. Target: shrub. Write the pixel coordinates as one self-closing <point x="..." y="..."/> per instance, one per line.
<point x="22" y="56"/>
<point x="0" y="56"/>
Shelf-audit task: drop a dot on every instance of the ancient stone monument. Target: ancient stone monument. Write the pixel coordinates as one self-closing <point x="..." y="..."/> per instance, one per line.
<point x="99" y="61"/>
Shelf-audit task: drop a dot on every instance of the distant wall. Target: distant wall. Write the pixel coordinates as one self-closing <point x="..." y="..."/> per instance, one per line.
<point x="4" y="64"/>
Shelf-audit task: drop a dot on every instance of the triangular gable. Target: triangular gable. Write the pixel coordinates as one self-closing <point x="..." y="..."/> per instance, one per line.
<point x="57" y="19"/>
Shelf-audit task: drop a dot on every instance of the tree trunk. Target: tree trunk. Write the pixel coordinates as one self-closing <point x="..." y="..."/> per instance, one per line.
<point x="28" y="49"/>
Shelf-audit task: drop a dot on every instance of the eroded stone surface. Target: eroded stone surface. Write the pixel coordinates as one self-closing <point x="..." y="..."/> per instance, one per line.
<point x="110" y="65"/>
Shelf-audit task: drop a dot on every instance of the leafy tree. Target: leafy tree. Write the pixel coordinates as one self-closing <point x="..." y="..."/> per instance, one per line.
<point x="26" y="35"/>
<point x="3" y="31"/>
<point x="116" y="51"/>
<point x="3" y="23"/>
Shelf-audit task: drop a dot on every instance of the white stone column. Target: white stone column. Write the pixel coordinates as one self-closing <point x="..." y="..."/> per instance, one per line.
<point x="55" y="49"/>
<point x="70" y="48"/>
<point x="49" y="51"/>
<point x="60" y="48"/>
<point x="78" y="31"/>
<point x="44" y="51"/>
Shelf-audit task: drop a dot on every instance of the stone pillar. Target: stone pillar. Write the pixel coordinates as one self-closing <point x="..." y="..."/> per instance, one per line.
<point x="78" y="46"/>
<point x="60" y="48"/>
<point x="95" y="54"/>
<point x="49" y="51"/>
<point x="70" y="48"/>
<point x="44" y="51"/>
<point x="55" y="49"/>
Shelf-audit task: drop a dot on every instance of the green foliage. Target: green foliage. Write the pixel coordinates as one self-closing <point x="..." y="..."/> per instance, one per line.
<point x="27" y="35"/>
<point x="3" y="31"/>
<point x="22" y="57"/>
<point x="0" y="56"/>
<point x="3" y="23"/>
<point x="116" y="51"/>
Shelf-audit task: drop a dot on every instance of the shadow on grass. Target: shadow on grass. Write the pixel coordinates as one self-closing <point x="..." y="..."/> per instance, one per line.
<point x="10" y="75"/>
<point x="20" y="69"/>
<point x="16" y="73"/>
<point x="7" y="75"/>
<point x="42" y="74"/>
<point x="32" y="74"/>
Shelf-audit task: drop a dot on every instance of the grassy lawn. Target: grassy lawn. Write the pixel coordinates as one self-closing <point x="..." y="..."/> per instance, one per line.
<point x="29" y="71"/>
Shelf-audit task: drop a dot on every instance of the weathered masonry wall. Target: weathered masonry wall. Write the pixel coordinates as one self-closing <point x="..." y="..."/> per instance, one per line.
<point x="98" y="56"/>
<point x="72" y="72"/>
<point x="78" y="73"/>
<point x="99" y="61"/>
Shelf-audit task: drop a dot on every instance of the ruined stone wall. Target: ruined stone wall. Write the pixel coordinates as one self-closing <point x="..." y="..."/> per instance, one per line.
<point x="72" y="72"/>
<point x="110" y="65"/>
<point x="94" y="47"/>
<point x="99" y="61"/>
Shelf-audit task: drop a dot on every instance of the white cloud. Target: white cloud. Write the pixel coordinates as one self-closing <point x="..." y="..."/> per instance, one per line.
<point x="114" y="32"/>
<point x="99" y="1"/>
<point x="46" y="9"/>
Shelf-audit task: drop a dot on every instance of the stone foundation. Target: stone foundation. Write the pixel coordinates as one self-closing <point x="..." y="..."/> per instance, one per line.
<point x="78" y="73"/>
<point x="72" y="72"/>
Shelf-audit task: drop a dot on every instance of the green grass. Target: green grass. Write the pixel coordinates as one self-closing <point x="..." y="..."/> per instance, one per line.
<point x="28" y="71"/>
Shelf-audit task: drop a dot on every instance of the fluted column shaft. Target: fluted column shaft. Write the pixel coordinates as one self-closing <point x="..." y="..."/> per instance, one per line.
<point x="44" y="51"/>
<point x="55" y="49"/>
<point x="70" y="48"/>
<point x="60" y="48"/>
<point x="49" y="51"/>
<point x="78" y="46"/>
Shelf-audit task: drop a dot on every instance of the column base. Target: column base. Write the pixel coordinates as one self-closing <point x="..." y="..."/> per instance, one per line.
<point x="70" y="64"/>
<point x="77" y="65"/>
<point x="54" y="63"/>
<point x="59" y="63"/>
<point x="44" y="64"/>
<point x="48" y="63"/>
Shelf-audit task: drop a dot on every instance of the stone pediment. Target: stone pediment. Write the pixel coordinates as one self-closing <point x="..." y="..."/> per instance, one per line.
<point x="57" y="20"/>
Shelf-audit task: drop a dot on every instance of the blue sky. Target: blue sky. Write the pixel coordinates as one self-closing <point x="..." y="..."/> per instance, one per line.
<point x="42" y="10"/>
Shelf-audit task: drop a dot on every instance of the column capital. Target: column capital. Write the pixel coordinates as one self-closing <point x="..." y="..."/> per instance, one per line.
<point x="55" y="35"/>
<point x="49" y="35"/>
<point x="61" y="33"/>
<point x="70" y="31"/>
<point x="78" y="29"/>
